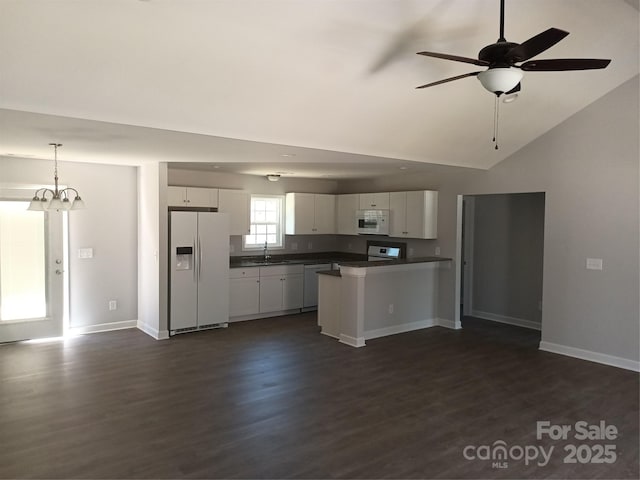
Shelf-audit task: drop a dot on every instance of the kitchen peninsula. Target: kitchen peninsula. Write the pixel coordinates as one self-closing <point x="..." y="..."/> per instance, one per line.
<point x="366" y="300"/>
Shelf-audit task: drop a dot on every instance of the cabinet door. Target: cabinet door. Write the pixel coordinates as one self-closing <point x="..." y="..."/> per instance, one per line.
<point x="176" y="196"/>
<point x="271" y="293"/>
<point x="398" y="213"/>
<point x="292" y="291"/>
<point x="325" y="207"/>
<point x="202" y="197"/>
<point x="244" y="296"/>
<point x="346" y="208"/>
<point x="378" y="201"/>
<point x="300" y="213"/>
<point x="415" y="215"/>
<point x="430" y="214"/>
<point x="238" y="205"/>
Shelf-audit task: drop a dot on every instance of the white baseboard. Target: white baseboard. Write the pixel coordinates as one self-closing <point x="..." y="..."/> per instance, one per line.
<point x="257" y="316"/>
<point x="495" y="317"/>
<point x="591" y="356"/>
<point x="446" y="323"/>
<point x="330" y="335"/>
<point x="352" y="341"/>
<point x="103" y="327"/>
<point x="395" y="329"/>
<point x="153" y="332"/>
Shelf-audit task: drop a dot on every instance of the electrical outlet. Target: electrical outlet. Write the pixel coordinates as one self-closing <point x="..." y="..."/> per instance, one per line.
<point x="231" y="248"/>
<point x="113" y="305"/>
<point x="309" y="246"/>
<point x="294" y="246"/>
<point x="437" y="250"/>
<point x="391" y="308"/>
<point x="594" y="264"/>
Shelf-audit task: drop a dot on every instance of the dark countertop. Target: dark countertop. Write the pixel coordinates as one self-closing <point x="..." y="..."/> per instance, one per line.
<point x="296" y="259"/>
<point x="403" y="261"/>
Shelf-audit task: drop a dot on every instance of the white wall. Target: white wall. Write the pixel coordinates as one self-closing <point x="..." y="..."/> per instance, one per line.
<point x="108" y="225"/>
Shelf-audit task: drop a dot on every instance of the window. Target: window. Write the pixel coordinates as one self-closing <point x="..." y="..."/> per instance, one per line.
<point x="266" y="222"/>
<point x="22" y="262"/>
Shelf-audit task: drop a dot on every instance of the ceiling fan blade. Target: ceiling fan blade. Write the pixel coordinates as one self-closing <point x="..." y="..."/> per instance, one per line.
<point x="561" y="64"/>
<point x="535" y="45"/>
<point x="451" y="79"/>
<point x="455" y="58"/>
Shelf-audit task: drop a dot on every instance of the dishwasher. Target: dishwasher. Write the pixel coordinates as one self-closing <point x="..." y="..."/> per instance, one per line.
<point x="310" y="298"/>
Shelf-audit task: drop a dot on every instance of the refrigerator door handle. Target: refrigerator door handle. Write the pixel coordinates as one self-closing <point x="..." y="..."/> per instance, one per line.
<point x="199" y="259"/>
<point x="195" y="264"/>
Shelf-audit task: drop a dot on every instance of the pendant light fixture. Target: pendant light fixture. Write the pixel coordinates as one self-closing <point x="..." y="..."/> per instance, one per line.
<point x="59" y="199"/>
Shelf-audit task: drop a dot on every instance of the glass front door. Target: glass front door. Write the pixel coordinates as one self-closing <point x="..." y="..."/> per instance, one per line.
<point x="31" y="273"/>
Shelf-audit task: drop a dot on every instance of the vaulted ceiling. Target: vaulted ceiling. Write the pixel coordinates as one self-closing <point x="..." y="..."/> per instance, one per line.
<point x="297" y="81"/>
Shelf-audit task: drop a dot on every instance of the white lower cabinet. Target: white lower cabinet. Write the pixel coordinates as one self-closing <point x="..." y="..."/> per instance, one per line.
<point x="281" y="287"/>
<point x="259" y="290"/>
<point x="244" y="291"/>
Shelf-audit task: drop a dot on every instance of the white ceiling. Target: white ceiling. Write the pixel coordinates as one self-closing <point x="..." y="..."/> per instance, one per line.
<point x="129" y="81"/>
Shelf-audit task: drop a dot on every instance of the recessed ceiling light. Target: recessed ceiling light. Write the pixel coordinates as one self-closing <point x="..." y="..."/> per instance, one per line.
<point x="403" y="168"/>
<point x="287" y="154"/>
<point x="215" y="166"/>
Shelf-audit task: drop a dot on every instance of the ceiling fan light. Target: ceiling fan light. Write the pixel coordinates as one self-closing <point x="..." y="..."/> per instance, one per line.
<point x="500" y="80"/>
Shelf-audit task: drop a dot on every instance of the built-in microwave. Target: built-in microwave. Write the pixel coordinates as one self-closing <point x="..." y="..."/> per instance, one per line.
<point x="372" y="222"/>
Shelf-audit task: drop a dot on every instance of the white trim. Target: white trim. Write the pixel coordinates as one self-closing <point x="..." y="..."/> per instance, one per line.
<point x="458" y="261"/>
<point x="153" y="332"/>
<point x="258" y="316"/>
<point x="590" y="356"/>
<point x="330" y="335"/>
<point x="495" y="317"/>
<point x="352" y="341"/>
<point x="446" y="323"/>
<point x="103" y="327"/>
<point x="395" y="329"/>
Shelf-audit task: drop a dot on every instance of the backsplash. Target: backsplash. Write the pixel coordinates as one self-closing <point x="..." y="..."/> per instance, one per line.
<point x="293" y="244"/>
<point x="334" y="243"/>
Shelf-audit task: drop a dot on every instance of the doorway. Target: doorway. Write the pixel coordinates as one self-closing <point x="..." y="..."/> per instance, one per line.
<point x="32" y="267"/>
<point x="500" y="252"/>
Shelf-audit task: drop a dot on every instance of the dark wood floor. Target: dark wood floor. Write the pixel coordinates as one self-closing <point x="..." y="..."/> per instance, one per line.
<point x="275" y="399"/>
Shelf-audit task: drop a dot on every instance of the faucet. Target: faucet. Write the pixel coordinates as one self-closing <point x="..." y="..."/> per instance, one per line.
<point x="265" y="252"/>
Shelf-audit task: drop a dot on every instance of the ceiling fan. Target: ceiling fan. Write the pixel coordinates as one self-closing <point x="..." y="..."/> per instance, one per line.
<point x="503" y="75"/>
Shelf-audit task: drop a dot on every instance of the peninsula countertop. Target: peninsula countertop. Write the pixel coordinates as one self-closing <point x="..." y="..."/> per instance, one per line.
<point x="386" y="263"/>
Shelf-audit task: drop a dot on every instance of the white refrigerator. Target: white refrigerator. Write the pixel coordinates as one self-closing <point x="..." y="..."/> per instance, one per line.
<point x="199" y="271"/>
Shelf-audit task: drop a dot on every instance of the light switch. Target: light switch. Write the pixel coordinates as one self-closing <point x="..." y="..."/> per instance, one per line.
<point x="594" y="264"/>
<point x="85" y="253"/>
<point x="437" y="250"/>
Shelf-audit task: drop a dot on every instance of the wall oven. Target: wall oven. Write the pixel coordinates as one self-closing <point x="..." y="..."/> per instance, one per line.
<point x="372" y="222"/>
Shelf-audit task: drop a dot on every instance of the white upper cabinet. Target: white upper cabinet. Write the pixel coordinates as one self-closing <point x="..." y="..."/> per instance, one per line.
<point x="237" y="204"/>
<point x="414" y="214"/>
<point x="376" y="201"/>
<point x="309" y="213"/>
<point x="192" y="197"/>
<point x="346" y="208"/>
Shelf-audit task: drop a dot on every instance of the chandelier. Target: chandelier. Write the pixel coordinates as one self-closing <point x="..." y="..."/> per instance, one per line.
<point x="59" y="199"/>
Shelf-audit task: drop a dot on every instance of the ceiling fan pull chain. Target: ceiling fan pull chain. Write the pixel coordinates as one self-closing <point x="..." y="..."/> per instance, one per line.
<point x="496" y="109"/>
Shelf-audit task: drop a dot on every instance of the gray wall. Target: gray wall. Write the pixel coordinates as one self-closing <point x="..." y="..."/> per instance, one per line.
<point x="508" y="244"/>
<point x="588" y="168"/>
<point x="112" y="273"/>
